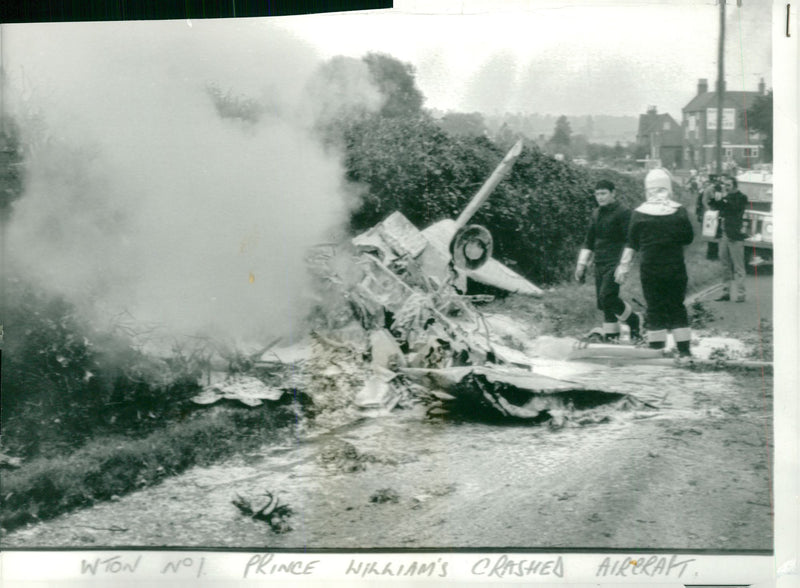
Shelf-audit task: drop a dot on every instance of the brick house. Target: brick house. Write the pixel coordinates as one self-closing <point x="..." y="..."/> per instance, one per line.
<point x="740" y="146"/>
<point x="660" y="137"/>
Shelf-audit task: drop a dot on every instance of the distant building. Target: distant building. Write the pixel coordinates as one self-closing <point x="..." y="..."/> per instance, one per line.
<point x="741" y="147"/>
<point x="660" y="137"/>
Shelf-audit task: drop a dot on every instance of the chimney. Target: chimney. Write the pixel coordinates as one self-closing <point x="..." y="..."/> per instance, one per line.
<point x="702" y="86"/>
<point x="762" y="89"/>
<point x="651" y="110"/>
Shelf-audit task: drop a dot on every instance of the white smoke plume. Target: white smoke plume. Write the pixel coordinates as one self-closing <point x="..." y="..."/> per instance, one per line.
<point x="141" y="198"/>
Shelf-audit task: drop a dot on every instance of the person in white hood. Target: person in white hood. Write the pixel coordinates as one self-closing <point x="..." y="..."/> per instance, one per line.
<point x="659" y="230"/>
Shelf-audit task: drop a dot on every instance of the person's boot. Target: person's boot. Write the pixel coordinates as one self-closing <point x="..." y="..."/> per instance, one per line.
<point x="635" y="323"/>
<point x="611" y="332"/>
<point x="657" y="339"/>
<point x="683" y="341"/>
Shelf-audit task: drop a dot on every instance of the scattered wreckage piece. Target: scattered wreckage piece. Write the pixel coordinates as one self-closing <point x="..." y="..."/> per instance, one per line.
<point x="394" y="237"/>
<point x="384" y="495"/>
<point x="378" y="394"/>
<point x="385" y="352"/>
<point x="689" y="362"/>
<point x="291" y="354"/>
<point x="616" y="354"/>
<point x="415" y="312"/>
<point x="507" y="392"/>
<point x="268" y="509"/>
<point x="248" y="390"/>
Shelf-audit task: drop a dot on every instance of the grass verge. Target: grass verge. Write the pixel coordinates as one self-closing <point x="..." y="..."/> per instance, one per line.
<point x="112" y="466"/>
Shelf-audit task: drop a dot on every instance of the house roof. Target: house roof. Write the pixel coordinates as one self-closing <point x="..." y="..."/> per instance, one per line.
<point x="652" y="122"/>
<point x="730" y="100"/>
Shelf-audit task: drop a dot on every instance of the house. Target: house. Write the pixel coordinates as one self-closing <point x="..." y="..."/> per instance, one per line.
<point x="660" y="137"/>
<point x="741" y="146"/>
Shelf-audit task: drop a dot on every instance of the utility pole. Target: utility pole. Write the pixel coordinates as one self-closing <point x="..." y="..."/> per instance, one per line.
<point x="720" y="82"/>
<point x="2" y="85"/>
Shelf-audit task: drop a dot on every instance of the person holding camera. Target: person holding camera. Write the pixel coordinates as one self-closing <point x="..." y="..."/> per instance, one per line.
<point x="731" y="204"/>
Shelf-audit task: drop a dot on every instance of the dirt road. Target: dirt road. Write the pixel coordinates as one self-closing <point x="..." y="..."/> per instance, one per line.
<point x="693" y="473"/>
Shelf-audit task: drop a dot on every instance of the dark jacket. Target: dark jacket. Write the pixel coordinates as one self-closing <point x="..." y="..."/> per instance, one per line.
<point x="607" y="233"/>
<point x="660" y="240"/>
<point x="731" y="211"/>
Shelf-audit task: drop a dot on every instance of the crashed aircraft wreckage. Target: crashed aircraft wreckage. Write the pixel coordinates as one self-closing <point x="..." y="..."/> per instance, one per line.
<point x="392" y="327"/>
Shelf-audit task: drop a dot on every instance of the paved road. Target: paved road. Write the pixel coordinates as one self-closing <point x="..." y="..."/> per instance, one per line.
<point x="736" y="317"/>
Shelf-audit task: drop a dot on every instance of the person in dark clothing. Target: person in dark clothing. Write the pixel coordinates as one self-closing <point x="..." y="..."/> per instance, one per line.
<point x="731" y="204"/>
<point x="659" y="229"/>
<point x="706" y="194"/>
<point x="695" y="186"/>
<point x="605" y="239"/>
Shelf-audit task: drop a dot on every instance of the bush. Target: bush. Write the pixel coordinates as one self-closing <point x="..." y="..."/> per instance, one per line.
<point x="537" y="214"/>
<point x="63" y="382"/>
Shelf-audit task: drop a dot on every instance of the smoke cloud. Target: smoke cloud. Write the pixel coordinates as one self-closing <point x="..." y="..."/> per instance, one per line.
<point x="141" y="198"/>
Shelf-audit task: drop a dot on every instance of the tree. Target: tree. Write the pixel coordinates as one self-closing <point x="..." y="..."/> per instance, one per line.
<point x="233" y="106"/>
<point x="464" y="124"/>
<point x="580" y="145"/>
<point x="561" y="139"/>
<point x="396" y="82"/>
<point x="759" y="118"/>
<point x="11" y="166"/>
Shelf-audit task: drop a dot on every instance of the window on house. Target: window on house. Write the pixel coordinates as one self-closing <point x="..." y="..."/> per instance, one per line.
<point x="751" y="152"/>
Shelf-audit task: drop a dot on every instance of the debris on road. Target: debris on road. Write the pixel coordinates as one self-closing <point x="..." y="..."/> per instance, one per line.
<point x="385" y="495"/>
<point x="248" y="390"/>
<point x="507" y="392"/>
<point x="268" y="509"/>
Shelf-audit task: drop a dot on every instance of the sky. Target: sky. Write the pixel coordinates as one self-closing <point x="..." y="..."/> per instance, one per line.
<point x="140" y="197"/>
<point x="573" y="58"/>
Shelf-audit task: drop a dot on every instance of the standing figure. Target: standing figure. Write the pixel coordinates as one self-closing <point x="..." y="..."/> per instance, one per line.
<point x="605" y="240"/>
<point x="659" y="229"/>
<point x="707" y="194"/>
<point x="731" y="204"/>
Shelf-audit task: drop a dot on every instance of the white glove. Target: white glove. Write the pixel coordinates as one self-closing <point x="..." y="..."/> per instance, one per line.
<point x="621" y="273"/>
<point x="584" y="257"/>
